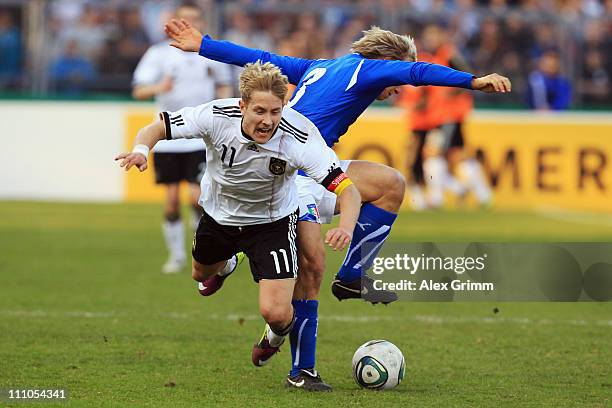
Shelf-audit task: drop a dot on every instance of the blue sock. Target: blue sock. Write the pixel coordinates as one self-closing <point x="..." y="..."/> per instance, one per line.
<point x="304" y="335"/>
<point x="373" y="227"/>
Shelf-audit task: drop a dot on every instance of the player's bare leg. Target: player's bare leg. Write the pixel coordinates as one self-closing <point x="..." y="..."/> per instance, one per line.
<point x="174" y="231"/>
<point x="201" y="272"/>
<point x="379" y="185"/>
<point x="210" y="278"/>
<point x="173" y="202"/>
<point x="194" y="195"/>
<point x="275" y="304"/>
<point x="275" y="307"/>
<point x="311" y="261"/>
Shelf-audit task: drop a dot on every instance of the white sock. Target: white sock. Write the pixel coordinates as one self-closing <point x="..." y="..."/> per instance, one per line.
<point x="274" y="339"/>
<point x="471" y="172"/>
<point x="417" y="199"/>
<point x="174" y="234"/>
<point x="229" y="266"/>
<point x="435" y="169"/>
<point x="452" y="184"/>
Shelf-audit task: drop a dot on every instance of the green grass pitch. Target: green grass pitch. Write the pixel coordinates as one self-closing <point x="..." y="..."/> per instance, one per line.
<point x="84" y="307"/>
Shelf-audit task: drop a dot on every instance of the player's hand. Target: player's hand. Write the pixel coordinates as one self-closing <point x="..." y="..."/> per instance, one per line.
<point x="492" y="83"/>
<point x="132" y="159"/>
<point x="184" y="36"/>
<point x="165" y="85"/>
<point x="338" y="238"/>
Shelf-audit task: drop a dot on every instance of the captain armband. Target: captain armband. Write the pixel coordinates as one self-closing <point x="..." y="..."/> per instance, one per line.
<point x="336" y="181"/>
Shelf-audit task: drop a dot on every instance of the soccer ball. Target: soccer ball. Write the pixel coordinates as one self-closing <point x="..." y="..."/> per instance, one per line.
<point x="378" y="365"/>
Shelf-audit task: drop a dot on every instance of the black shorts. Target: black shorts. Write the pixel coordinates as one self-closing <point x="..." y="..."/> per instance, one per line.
<point x="456" y="135"/>
<point x="271" y="248"/>
<point x="176" y="167"/>
<point x="415" y="155"/>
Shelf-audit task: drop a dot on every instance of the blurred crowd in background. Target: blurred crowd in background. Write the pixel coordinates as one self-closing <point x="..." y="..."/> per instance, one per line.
<point x="81" y="48"/>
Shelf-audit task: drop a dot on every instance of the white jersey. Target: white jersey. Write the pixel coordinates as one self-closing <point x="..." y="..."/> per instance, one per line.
<point x="247" y="183"/>
<point x="194" y="80"/>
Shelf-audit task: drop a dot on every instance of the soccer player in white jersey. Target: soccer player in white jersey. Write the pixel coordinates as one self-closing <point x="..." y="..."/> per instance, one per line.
<point x="169" y="75"/>
<point x="249" y="194"/>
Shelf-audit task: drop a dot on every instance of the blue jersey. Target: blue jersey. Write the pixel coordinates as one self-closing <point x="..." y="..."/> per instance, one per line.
<point x="332" y="93"/>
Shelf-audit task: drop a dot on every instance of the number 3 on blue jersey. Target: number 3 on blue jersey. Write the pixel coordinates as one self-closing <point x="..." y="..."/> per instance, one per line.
<point x="310" y="78"/>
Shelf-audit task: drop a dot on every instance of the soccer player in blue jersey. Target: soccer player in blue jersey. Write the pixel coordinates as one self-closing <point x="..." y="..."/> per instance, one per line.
<point x="332" y="93"/>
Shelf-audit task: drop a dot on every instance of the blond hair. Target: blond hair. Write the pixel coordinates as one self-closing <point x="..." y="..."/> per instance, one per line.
<point x="377" y="43"/>
<point x="262" y="77"/>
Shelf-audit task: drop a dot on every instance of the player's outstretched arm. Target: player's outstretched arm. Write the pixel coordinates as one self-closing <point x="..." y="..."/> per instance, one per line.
<point x="492" y="83"/>
<point x="384" y="73"/>
<point x="349" y="202"/>
<point x="144" y="142"/>
<point x="187" y="38"/>
<point x="142" y="92"/>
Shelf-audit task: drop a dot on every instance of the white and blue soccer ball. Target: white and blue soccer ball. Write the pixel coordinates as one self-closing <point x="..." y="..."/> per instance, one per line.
<point x="378" y="365"/>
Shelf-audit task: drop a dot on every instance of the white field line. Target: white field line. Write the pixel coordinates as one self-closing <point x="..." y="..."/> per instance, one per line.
<point x="428" y="319"/>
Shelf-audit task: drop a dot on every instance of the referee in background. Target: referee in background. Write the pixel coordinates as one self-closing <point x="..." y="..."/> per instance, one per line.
<point x="177" y="79"/>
